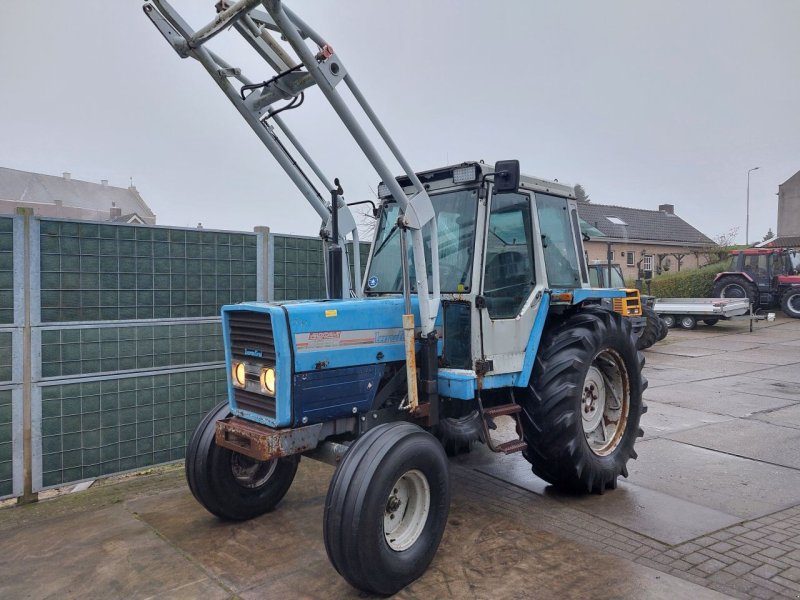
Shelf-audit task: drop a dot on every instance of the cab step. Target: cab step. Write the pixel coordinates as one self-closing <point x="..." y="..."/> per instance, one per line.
<point x="489" y="414"/>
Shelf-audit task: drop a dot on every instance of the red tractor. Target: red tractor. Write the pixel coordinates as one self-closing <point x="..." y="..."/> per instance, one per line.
<point x="766" y="276"/>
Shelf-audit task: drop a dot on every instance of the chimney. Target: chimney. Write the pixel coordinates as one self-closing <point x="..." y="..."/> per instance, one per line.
<point x="115" y="212"/>
<point x="104" y="182"/>
<point x="667" y="208"/>
<point x="67" y="175"/>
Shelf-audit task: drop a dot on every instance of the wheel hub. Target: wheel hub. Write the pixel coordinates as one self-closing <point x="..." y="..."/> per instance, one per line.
<point x="605" y="402"/>
<point x="249" y="472"/>
<point x="406" y="511"/>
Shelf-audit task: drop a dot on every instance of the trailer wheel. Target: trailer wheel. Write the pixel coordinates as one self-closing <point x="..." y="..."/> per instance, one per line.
<point x="387" y="507"/>
<point x="651" y="329"/>
<point x="790" y="303"/>
<point x="669" y="321"/>
<point x="231" y="485"/>
<point x="581" y="411"/>
<point x="688" y="322"/>
<point x="710" y="322"/>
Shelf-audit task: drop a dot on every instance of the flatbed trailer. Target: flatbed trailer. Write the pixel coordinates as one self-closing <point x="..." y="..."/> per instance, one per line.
<point x="686" y="312"/>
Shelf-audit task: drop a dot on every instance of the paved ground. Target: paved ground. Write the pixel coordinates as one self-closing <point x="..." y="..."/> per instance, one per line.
<point x="711" y="509"/>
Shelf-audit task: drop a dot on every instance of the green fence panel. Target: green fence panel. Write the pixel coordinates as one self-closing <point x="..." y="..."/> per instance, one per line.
<point x="6" y="454"/>
<point x="104" y="272"/>
<point x="98" y="428"/>
<point x="6" y="270"/>
<point x="92" y="350"/>
<point x="6" y="352"/>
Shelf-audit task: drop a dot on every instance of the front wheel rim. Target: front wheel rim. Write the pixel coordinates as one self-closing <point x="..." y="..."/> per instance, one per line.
<point x="406" y="510"/>
<point x="249" y="472"/>
<point x="794" y="303"/>
<point x="605" y="402"/>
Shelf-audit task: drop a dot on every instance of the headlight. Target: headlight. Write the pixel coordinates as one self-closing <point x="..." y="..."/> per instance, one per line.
<point x="268" y="380"/>
<point x="238" y="374"/>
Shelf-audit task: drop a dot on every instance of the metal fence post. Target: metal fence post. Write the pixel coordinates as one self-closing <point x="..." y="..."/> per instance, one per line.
<point x="263" y="287"/>
<point x="28" y="495"/>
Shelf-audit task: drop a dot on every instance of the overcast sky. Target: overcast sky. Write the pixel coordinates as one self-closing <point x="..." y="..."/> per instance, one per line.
<point x="641" y="102"/>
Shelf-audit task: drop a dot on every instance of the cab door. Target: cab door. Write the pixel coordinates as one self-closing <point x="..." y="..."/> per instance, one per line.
<point x="510" y="290"/>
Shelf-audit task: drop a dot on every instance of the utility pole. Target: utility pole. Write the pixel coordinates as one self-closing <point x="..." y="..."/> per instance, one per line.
<point x="747" y="222"/>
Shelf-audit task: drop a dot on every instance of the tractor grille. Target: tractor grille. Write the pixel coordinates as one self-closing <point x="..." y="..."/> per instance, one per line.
<point x="251" y="332"/>
<point x="252" y="342"/>
<point x="630" y="305"/>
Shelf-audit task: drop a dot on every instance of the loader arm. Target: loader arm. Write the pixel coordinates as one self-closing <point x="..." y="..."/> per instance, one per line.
<point x="257" y="101"/>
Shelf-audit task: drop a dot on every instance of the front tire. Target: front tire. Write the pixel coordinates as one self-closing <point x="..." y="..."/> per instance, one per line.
<point x="387" y="507"/>
<point x="663" y="329"/>
<point x="581" y="412"/>
<point x="790" y="303"/>
<point x="231" y="485"/>
<point x="669" y="321"/>
<point x="710" y="322"/>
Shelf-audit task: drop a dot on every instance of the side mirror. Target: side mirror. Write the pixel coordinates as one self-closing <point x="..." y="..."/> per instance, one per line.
<point x="506" y="176"/>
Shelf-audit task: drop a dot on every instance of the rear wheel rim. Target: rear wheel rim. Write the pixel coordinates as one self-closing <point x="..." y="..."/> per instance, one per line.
<point x="734" y="290"/>
<point x="687" y="322"/>
<point x="605" y="402"/>
<point x="793" y="303"/>
<point x="406" y="510"/>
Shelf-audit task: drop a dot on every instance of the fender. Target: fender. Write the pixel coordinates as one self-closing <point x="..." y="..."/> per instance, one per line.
<point x="738" y="273"/>
<point x="792" y="280"/>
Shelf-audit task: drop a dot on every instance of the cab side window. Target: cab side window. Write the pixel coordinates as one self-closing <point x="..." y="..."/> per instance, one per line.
<point x="509" y="274"/>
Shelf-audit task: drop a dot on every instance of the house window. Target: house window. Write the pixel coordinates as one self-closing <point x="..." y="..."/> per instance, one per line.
<point x="630" y="260"/>
<point x="647" y="264"/>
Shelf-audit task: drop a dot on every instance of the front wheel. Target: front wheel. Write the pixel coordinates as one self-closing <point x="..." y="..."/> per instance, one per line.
<point x="231" y="485"/>
<point x="387" y="508"/>
<point x="710" y="322"/>
<point x="688" y="322"/>
<point x="651" y="329"/>
<point x="582" y="408"/>
<point x="669" y="321"/>
<point x="790" y="303"/>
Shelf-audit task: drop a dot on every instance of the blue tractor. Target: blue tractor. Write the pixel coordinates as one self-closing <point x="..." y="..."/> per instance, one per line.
<point x="475" y="305"/>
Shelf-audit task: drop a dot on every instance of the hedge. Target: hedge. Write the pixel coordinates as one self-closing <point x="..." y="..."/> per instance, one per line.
<point x="695" y="283"/>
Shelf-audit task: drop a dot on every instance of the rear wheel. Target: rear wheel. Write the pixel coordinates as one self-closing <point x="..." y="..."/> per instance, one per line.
<point x="663" y="329"/>
<point x="688" y="322"/>
<point x="735" y="286"/>
<point x="790" y="303"/>
<point x="651" y="329"/>
<point x="581" y="412"/>
<point x="231" y="485"/>
<point x="387" y="508"/>
<point x="710" y="322"/>
<point x="669" y="321"/>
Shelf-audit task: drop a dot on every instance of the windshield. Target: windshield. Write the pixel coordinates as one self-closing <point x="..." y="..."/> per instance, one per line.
<point x="455" y="220"/>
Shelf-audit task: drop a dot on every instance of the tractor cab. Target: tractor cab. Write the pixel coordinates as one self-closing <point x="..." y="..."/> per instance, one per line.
<point x="499" y="251"/>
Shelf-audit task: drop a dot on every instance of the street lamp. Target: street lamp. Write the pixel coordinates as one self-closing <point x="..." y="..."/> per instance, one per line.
<point x="747" y="223"/>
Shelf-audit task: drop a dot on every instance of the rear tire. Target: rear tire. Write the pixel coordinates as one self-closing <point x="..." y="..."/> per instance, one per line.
<point x="587" y="376"/>
<point x="669" y="321"/>
<point x="735" y="286"/>
<point x="231" y="485"/>
<point x="790" y="303"/>
<point x="651" y="329"/>
<point x="663" y="330"/>
<point x="387" y="507"/>
<point x="688" y="322"/>
<point x="458" y="434"/>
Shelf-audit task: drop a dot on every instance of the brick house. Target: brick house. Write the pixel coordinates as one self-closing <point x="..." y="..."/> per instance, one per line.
<point x="643" y="241"/>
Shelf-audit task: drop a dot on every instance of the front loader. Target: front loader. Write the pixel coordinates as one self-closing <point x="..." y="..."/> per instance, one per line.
<point x="476" y="305"/>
